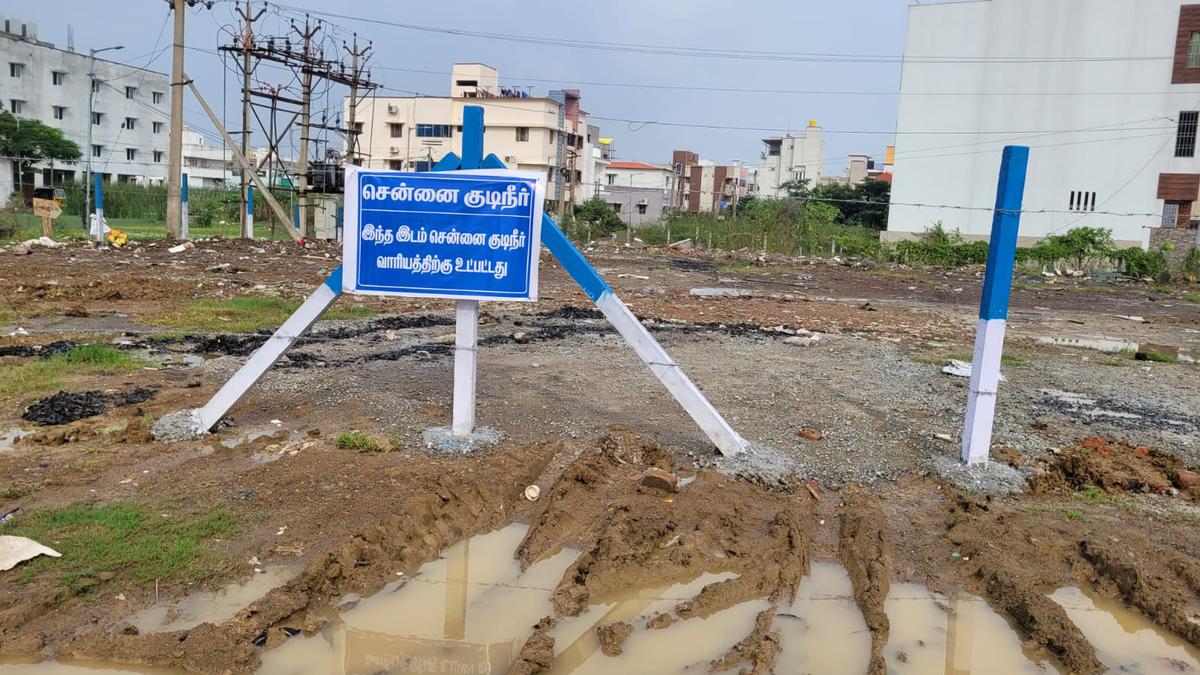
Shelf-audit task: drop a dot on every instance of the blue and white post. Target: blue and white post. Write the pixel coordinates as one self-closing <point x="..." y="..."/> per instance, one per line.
<point x="248" y="229"/>
<point x="98" y="222"/>
<point x="993" y="307"/>
<point x="183" y="213"/>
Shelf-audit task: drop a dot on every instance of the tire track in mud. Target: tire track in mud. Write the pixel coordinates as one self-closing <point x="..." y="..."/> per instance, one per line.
<point x="633" y="536"/>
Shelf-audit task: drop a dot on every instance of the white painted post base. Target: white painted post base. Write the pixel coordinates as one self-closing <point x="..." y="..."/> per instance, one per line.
<point x="985" y="383"/>
<point x="671" y="375"/>
<point x="265" y="356"/>
<point x="465" y="354"/>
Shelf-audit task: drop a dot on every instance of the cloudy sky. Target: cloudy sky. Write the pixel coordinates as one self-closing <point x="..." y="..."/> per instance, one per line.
<point x="785" y="32"/>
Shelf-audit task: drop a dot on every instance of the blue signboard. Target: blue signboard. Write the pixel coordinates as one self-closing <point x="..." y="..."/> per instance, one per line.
<point x="466" y="235"/>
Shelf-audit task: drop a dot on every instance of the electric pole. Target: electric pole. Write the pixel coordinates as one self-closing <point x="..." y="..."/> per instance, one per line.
<point x="247" y="42"/>
<point x="356" y="59"/>
<point x="175" y="152"/>
<point x="305" y="126"/>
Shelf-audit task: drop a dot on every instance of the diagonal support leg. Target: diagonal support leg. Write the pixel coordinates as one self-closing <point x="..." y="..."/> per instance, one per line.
<point x="266" y="356"/>
<point x="664" y="368"/>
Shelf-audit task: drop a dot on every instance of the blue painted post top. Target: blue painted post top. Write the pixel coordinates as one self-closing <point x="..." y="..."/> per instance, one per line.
<point x="99" y="190"/>
<point x="472" y="138"/>
<point x="1002" y="249"/>
<point x="183" y="187"/>
<point x="250" y="199"/>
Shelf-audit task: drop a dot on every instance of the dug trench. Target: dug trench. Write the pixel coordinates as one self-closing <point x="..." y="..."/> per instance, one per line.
<point x="626" y="532"/>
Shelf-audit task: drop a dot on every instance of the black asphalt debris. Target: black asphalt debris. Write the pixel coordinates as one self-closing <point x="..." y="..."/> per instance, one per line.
<point x="69" y="406"/>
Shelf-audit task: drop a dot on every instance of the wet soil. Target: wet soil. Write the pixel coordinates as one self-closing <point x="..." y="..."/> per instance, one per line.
<point x="584" y="423"/>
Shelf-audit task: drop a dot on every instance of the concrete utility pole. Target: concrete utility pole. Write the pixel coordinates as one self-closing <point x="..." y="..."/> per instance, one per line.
<point x="306" y="224"/>
<point x="87" y="203"/>
<point x="175" y="151"/>
<point x="247" y="41"/>
<point x="356" y="59"/>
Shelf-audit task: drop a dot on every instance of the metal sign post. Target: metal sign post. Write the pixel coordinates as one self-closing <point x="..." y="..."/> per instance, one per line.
<point x="471" y="233"/>
<point x="993" y="307"/>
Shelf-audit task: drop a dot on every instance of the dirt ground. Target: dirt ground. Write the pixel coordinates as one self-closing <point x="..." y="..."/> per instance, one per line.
<point x="1104" y="447"/>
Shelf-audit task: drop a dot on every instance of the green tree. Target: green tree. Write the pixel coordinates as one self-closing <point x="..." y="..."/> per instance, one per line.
<point x="862" y="205"/>
<point x="33" y="142"/>
<point x="600" y="215"/>
<point x="797" y="188"/>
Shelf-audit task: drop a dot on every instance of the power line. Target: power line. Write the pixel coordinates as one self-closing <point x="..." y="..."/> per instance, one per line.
<point x="704" y="52"/>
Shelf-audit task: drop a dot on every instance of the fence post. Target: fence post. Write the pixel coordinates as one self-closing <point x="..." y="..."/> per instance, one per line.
<point x="993" y="307"/>
<point x="98" y="224"/>
<point x="183" y="213"/>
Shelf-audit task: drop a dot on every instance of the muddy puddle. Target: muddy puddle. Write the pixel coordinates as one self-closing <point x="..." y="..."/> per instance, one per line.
<point x="467" y="612"/>
<point x="1126" y="641"/>
<point x="9" y="437"/>
<point x="683" y="646"/>
<point x="823" y="631"/>
<point x="210" y="606"/>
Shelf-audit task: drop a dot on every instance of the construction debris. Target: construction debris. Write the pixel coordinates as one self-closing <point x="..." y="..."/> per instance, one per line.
<point x="16" y="550"/>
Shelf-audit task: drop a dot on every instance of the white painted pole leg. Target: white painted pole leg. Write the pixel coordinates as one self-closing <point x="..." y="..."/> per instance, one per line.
<point x="265" y="356"/>
<point x="985" y="384"/>
<point x="465" y="353"/>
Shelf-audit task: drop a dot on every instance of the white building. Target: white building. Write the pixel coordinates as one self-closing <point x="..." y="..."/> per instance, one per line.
<point x="206" y="164"/>
<point x="131" y="109"/>
<point x="791" y="157"/>
<point x="1104" y="92"/>
<point x="640" y="192"/>
<point x="413" y="133"/>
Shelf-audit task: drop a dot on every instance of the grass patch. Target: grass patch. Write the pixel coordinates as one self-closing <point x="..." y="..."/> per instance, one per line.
<point x="1117" y="363"/>
<point x="1072" y="514"/>
<point x="245" y="315"/>
<point x="38" y="375"/>
<point x="127" y="540"/>
<point x="1093" y="495"/>
<point x="357" y="440"/>
<point x="1192" y="297"/>
<point x="1158" y="357"/>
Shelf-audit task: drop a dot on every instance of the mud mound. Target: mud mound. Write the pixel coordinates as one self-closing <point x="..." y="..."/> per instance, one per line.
<point x="1115" y="467"/>
<point x="1142" y="583"/>
<point x="866" y="554"/>
<point x="69" y="406"/>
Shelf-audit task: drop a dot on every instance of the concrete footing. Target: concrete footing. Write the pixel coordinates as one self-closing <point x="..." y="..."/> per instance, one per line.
<point x="440" y="439"/>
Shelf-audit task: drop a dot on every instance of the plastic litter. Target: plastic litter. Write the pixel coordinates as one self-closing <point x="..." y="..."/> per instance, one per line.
<point x="16" y="550"/>
<point x="532" y="493"/>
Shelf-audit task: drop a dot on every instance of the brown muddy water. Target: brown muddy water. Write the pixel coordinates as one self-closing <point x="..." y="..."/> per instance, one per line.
<point x="470" y="611"/>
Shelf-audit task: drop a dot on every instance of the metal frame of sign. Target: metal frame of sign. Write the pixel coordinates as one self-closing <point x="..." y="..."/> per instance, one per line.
<point x="689" y="396"/>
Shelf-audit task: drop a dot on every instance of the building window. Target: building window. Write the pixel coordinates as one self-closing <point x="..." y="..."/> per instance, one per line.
<point x="612" y="178"/>
<point x="130" y="123"/>
<point x="1185" y="137"/>
<point x="16" y="106"/>
<point x="58" y="78"/>
<point x="522" y="134"/>
<point x="158" y="156"/>
<point x="130" y="154"/>
<point x="616" y="206"/>
<point x="1193" y="59"/>
<point x="423" y="166"/>
<point x="156" y="127"/>
<point x="97" y="150"/>
<point x="156" y="97"/>
<point x="16" y="69"/>
<point x="395" y="129"/>
<point x="59" y="112"/>
<point x="97" y="118"/>
<point x="433" y="131"/>
<point x="1082" y="201"/>
<point x="130" y="92"/>
<point x="1170" y="214"/>
<point x="641" y="208"/>
<point x="396" y="164"/>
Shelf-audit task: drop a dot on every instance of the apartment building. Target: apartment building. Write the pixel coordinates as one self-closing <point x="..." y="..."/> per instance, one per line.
<point x="702" y="186"/>
<point x="1077" y="77"/>
<point x="129" y="123"/>
<point x="640" y="192"/>
<point x="791" y="157"/>
<point x="547" y="134"/>
<point x="862" y="167"/>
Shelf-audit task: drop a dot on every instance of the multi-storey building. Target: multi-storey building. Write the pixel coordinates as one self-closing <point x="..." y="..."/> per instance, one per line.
<point x="790" y="158"/>
<point x="545" y="134"/>
<point x="1106" y="93"/>
<point x="131" y="108"/>
<point x="640" y="192"/>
